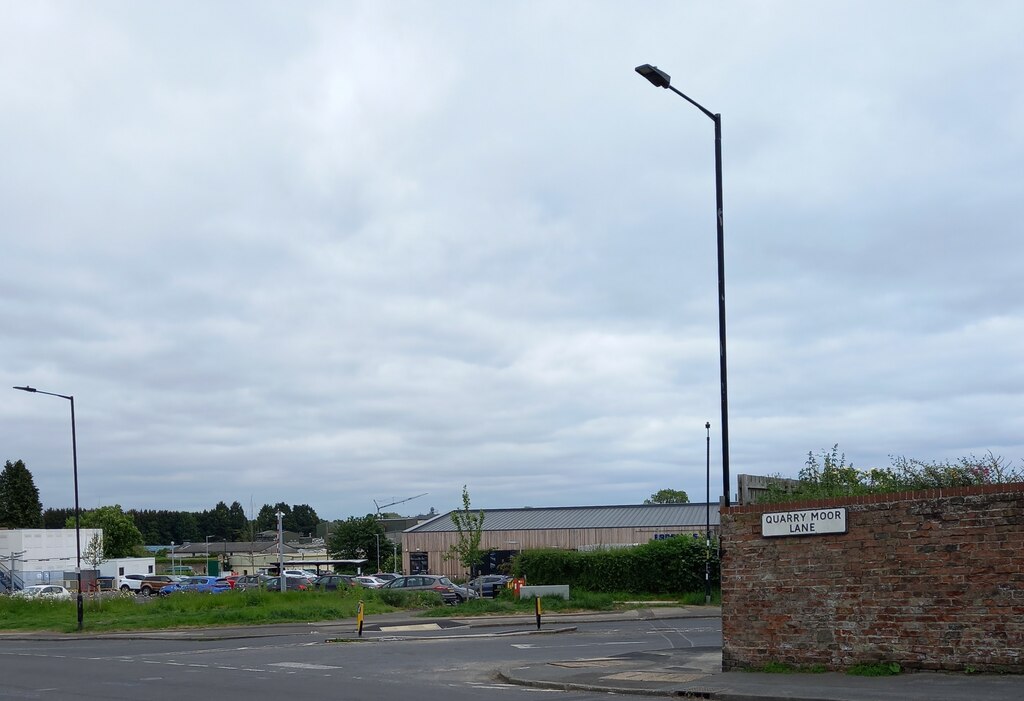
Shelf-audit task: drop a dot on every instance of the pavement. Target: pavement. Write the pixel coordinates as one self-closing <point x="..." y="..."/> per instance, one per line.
<point x="675" y="672"/>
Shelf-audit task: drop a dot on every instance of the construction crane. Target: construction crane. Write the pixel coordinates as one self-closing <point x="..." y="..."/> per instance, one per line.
<point x="399" y="501"/>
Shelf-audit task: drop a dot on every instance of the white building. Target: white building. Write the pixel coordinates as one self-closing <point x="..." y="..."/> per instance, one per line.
<point x="41" y="556"/>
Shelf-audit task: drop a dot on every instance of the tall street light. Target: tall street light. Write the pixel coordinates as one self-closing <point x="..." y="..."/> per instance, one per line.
<point x="707" y="523"/>
<point x="78" y="523"/>
<point x="661" y="79"/>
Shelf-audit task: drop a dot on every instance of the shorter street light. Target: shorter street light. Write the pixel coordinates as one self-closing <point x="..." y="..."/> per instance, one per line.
<point x="78" y="518"/>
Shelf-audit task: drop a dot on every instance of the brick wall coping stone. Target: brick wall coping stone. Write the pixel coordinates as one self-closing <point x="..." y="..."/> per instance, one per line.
<point x="941" y="493"/>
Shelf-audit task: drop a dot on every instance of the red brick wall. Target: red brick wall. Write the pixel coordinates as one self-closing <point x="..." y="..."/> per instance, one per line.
<point x="932" y="580"/>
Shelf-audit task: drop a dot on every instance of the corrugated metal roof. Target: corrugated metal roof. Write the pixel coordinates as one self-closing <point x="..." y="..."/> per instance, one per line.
<point x="570" y="517"/>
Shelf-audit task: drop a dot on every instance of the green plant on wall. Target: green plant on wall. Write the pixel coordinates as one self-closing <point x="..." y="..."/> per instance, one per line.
<point x="828" y="475"/>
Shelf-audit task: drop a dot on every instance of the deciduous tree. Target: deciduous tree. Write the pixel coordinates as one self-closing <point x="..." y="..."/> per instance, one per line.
<point x="668" y="496"/>
<point x="469" y="525"/>
<point x="120" y="536"/>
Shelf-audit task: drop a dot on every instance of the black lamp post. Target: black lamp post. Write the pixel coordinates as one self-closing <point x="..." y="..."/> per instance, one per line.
<point x="707" y="523"/>
<point x="662" y="80"/>
<point x="74" y="462"/>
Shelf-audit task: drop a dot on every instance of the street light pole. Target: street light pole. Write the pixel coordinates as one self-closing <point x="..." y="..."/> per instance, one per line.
<point x="280" y="549"/>
<point x="707" y="523"/>
<point x="377" y="536"/>
<point x="78" y="517"/>
<point x="661" y="79"/>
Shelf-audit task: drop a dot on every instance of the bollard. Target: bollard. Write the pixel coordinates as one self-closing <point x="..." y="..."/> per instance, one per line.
<point x="536" y="604"/>
<point x="359" y="617"/>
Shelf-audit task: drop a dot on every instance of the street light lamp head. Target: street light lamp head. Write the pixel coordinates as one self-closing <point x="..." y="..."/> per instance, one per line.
<point x="657" y="77"/>
<point x="26" y="388"/>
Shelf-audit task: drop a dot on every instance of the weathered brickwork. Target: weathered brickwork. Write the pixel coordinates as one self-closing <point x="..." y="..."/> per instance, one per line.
<point x="932" y="580"/>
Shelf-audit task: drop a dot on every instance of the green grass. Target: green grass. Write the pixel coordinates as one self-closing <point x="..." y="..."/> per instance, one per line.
<point x="185" y="610"/>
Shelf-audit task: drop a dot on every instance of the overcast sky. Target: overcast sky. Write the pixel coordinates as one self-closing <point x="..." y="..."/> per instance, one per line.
<point x="344" y="253"/>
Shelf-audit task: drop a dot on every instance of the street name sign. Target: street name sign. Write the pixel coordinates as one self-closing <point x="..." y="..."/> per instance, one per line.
<point x="807" y="522"/>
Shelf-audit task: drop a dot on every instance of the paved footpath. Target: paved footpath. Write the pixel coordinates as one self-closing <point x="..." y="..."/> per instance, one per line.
<point x="697" y="673"/>
<point x="678" y="672"/>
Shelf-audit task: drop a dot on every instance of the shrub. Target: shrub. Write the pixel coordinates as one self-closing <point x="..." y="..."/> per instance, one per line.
<point x="662" y="566"/>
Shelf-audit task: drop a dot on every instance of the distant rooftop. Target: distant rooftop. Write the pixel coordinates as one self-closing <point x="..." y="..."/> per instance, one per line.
<point x="562" y="517"/>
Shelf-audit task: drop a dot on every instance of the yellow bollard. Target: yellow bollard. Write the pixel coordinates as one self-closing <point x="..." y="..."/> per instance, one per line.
<point x="359" y="617"/>
<point x="536" y="604"/>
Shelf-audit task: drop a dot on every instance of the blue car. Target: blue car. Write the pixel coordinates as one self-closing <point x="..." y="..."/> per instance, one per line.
<point x="201" y="585"/>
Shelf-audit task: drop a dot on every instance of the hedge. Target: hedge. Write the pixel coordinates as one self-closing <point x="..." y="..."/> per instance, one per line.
<point x="673" y="565"/>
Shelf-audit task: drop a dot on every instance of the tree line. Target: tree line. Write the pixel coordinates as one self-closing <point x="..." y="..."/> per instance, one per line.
<point x="20" y="507"/>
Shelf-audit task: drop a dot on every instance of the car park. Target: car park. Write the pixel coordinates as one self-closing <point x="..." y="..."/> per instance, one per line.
<point x="51" y="592"/>
<point x="303" y="574"/>
<point x="464" y="593"/>
<point x="425" y="582"/>
<point x="131" y="582"/>
<point x="332" y="582"/>
<point x="153" y="583"/>
<point x="368" y="582"/>
<point x="250" y="581"/>
<point x="489" y="585"/>
<point x="290" y="584"/>
<point x="200" y="584"/>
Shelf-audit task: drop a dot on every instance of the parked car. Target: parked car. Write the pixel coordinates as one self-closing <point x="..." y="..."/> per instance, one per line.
<point x="425" y="582"/>
<point x="385" y="576"/>
<point x="201" y="584"/>
<point x="464" y="593"/>
<point x="303" y="574"/>
<point x="153" y="583"/>
<point x="333" y="582"/>
<point x="250" y="581"/>
<point x="52" y="592"/>
<point x="368" y="582"/>
<point x="232" y="579"/>
<point x="290" y="584"/>
<point x="489" y="584"/>
<point x="131" y="582"/>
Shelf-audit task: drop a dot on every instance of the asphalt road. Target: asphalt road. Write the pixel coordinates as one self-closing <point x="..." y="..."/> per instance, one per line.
<point x="398" y="661"/>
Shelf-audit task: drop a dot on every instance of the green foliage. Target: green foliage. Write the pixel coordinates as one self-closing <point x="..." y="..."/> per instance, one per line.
<point x="19" y="498"/>
<point x="120" y="536"/>
<point x="469" y="526"/>
<point x="93" y="552"/>
<point x="668" y="496"/>
<point x="408" y="599"/>
<point x="875" y="669"/>
<point x="357" y="538"/>
<point x="661" y="566"/>
<point x="833" y="477"/>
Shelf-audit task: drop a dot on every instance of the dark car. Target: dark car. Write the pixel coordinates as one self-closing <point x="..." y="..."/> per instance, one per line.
<point x="290" y="584"/>
<point x="489" y="584"/>
<point x="425" y="582"/>
<point x="333" y="582"/>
